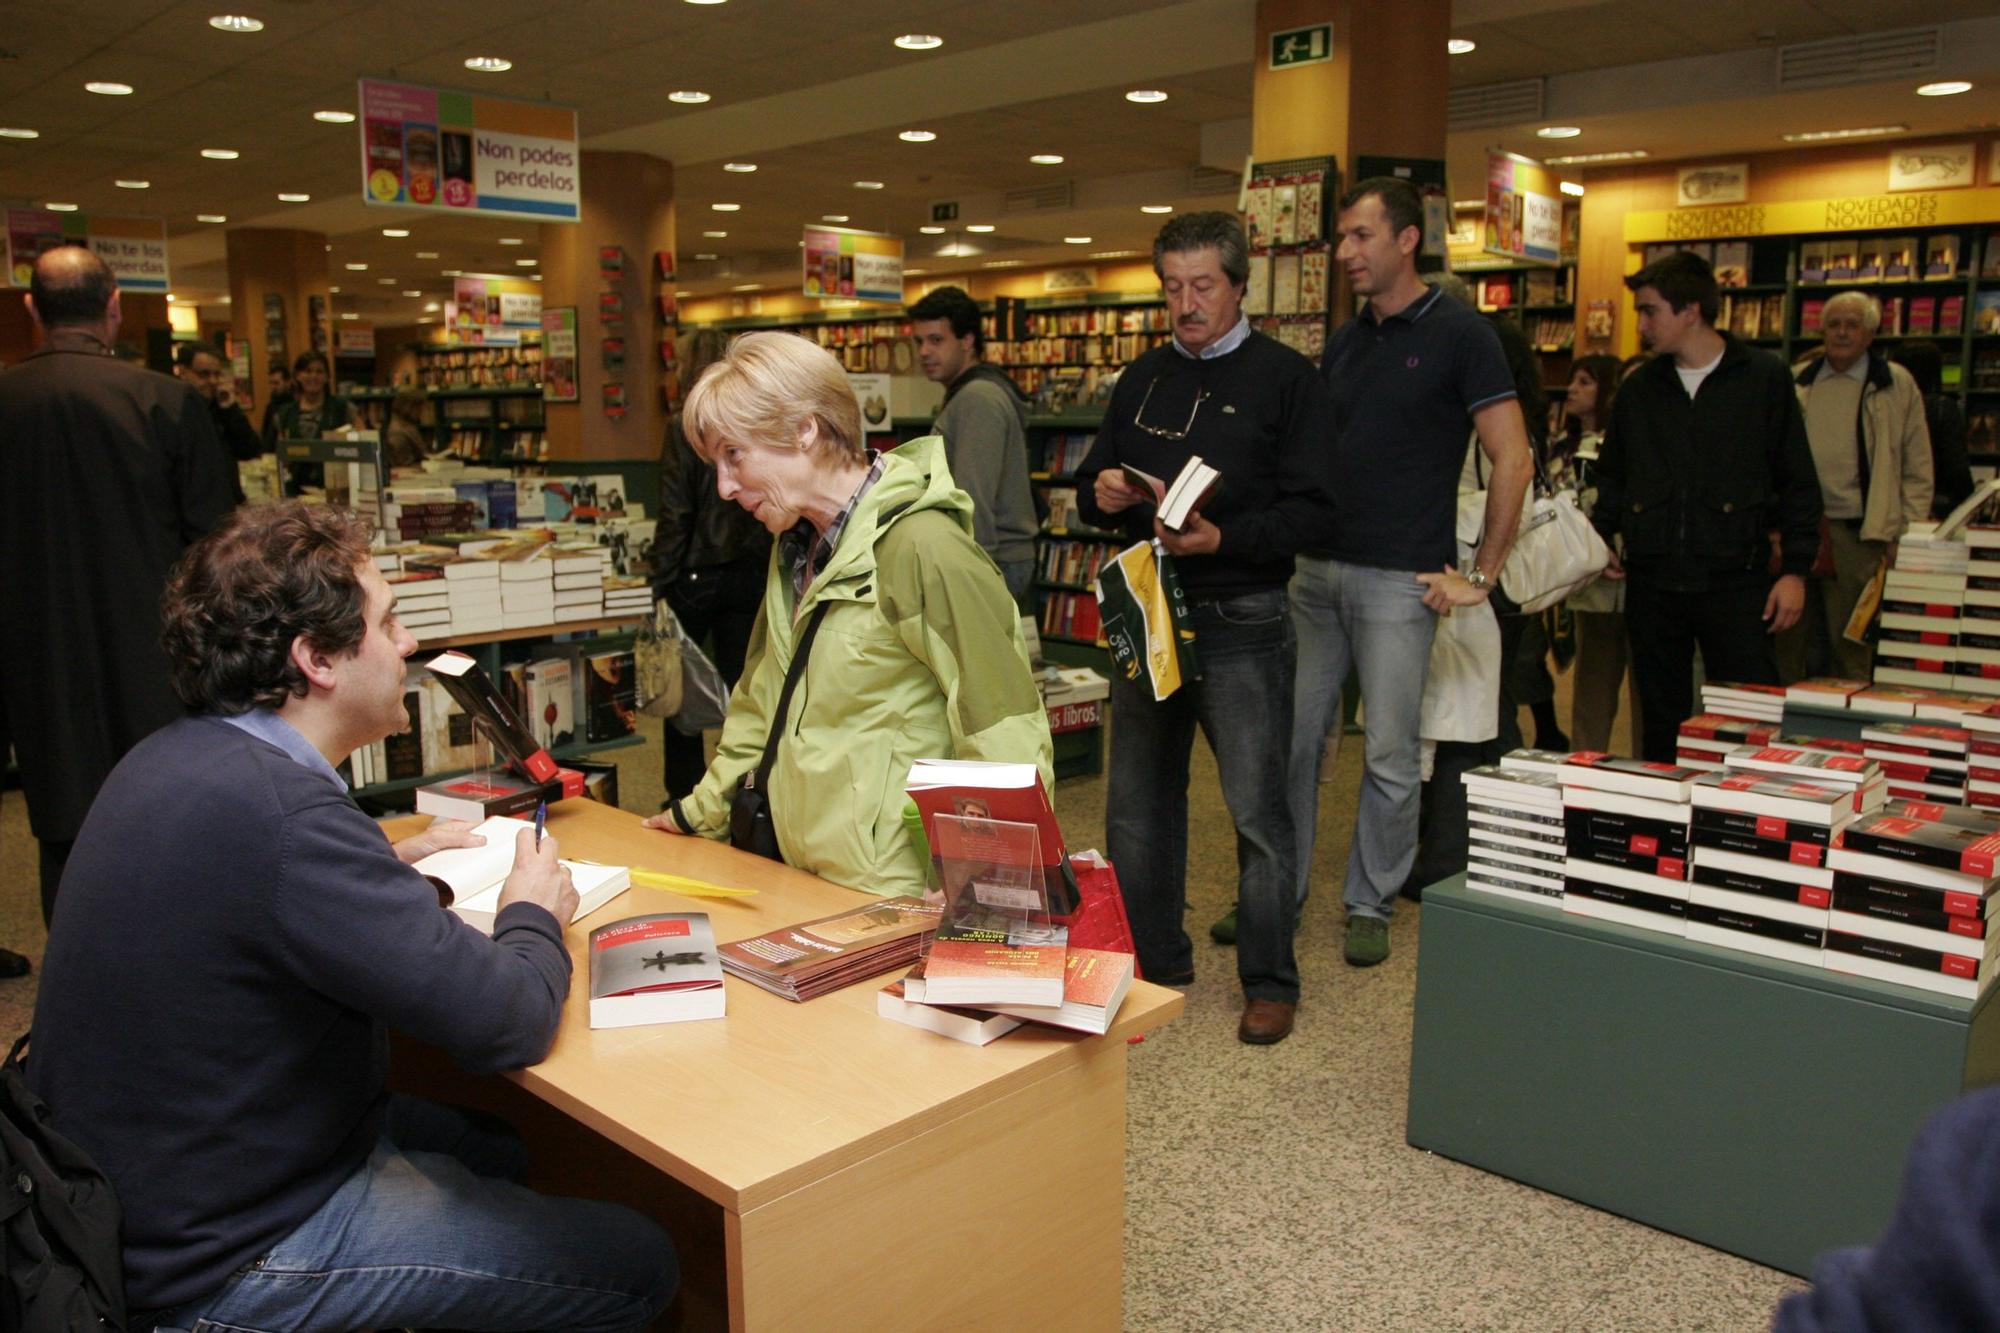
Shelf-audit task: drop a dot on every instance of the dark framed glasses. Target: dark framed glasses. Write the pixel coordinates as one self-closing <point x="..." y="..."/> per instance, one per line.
<point x="1164" y="433"/>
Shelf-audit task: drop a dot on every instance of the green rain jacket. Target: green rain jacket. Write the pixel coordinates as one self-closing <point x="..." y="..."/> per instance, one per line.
<point x="920" y="657"/>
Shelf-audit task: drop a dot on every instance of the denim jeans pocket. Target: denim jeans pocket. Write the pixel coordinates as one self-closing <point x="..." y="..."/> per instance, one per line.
<point x="1250" y="611"/>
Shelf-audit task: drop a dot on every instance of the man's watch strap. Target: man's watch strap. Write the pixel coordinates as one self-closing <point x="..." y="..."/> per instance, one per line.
<point x="1477" y="577"/>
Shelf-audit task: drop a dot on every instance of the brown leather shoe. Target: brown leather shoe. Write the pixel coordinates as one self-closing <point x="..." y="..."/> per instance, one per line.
<point x="1266" y="1022"/>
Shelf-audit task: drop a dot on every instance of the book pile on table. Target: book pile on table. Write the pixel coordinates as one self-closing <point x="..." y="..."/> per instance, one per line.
<point x="1761" y="882"/>
<point x="805" y="961"/>
<point x="1824" y="692"/>
<point x="1922" y="761"/>
<point x="1759" y="703"/>
<point x="1627" y="840"/>
<point x="1822" y="763"/>
<point x="1913" y="898"/>
<point x="1922" y="598"/>
<point x="1982" y="757"/>
<point x="1514" y="828"/>
<point x="1979" y="617"/>
<point x="1706" y="737"/>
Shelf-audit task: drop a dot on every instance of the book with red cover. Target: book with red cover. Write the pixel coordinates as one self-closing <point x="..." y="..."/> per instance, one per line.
<point x="1010" y="792"/>
<point x="1939" y="812"/>
<point x="1945" y="846"/>
<point x="470" y="688"/>
<point x="1807" y="765"/>
<point x="806" y="960"/>
<point x="1094" y="985"/>
<point x="996" y="966"/>
<point x="1633" y="777"/>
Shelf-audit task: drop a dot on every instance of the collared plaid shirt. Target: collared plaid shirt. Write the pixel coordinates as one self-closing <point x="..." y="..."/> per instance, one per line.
<point x="807" y="551"/>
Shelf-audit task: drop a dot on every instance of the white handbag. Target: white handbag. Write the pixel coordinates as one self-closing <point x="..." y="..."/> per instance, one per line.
<point x="1556" y="551"/>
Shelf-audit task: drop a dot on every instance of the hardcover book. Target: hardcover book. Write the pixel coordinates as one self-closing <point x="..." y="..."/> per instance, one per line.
<point x="1632" y="777"/>
<point x="661" y="968"/>
<point x="468" y="685"/>
<point x="1963" y="851"/>
<point x="1012" y="793"/>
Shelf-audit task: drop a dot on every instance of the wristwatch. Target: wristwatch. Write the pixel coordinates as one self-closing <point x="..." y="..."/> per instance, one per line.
<point x="1477" y="577"/>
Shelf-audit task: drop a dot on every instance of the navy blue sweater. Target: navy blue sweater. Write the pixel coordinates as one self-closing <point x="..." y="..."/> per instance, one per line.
<point x="233" y="941"/>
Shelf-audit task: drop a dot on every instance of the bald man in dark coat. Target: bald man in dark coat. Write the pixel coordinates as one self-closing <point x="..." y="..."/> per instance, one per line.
<point x="107" y="473"/>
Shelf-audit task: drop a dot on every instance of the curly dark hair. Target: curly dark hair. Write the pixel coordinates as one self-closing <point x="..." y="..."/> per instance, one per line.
<point x="242" y="594"/>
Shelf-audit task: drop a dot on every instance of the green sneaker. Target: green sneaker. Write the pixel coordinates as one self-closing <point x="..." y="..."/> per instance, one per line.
<point x="1224" y="931"/>
<point x="1367" y="940"/>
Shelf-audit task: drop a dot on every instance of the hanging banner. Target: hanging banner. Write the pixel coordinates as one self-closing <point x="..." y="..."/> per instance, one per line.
<point x="559" y="355"/>
<point x="1523" y="209"/>
<point x="455" y="152"/>
<point x="844" y="264"/>
<point x="135" y="249"/>
<point x="496" y="303"/>
<point x="354" y="340"/>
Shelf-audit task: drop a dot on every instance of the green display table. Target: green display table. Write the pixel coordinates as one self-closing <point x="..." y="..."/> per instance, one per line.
<point x="1757" y="1106"/>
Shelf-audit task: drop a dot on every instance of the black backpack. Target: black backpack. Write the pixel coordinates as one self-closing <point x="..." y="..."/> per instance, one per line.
<point x="61" y="1265"/>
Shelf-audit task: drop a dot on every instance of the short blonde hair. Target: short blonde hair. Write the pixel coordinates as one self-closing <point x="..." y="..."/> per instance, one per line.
<point x="765" y="389"/>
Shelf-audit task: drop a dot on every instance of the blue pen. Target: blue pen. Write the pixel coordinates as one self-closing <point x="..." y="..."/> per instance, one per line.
<point x="541" y="818"/>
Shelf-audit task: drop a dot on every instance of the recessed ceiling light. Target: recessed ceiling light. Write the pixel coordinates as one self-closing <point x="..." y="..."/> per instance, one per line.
<point x="1558" y="132"/>
<point x="211" y="217"/>
<point x="327" y="248"/>
<point x="427" y="254"/>
<point x="526" y="263"/>
<point x="979" y="226"/>
<point x="357" y="268"/>
<point x="1571" y="188"/>
<point x="833" y="217"/>
<point x="1077" y="240"/>
<point x="221" y="154"/>
<point x="334" y="290"/>
<point x="411" y="291"/>
<point x="1047" y="159"/>
<point x="451" y="272"/>
<point x="1002" y="263"/>
<point x="919" y="41"/>
<point x="1460" y="46"/>
<point x="54" y="207"/>
<point x="349" y="314"/>
<point x="489" y="64"/>
<point x="1156" y="208"/>
<point x="1145" y="96"/>
<point x="334" y="117"/>
<point x="931" y="231"/>
<point x="432" y="305"/>
<point x="534" y="277"/>
<point x="716" y="235"/>
<point x="741" y="168"/>
<point x="387" y="282"/>
<point x="726" y="208"/>
<point x="868" y="185"/>
<point x="291" y="198"/>
<point x="236" y="23"/>
<point x="917" y="136"/>
<point x="9" y="132"/>
<point x="1584" y="159"/>
<point x="133" y="185"/>
<point x="1820" y="136"/>
<point x="746" y="287"/>
<point x="705" y="255"/>
<point x="512" y="240"/>
<point x="1944" y="88"/>
<point x="108" y="89"/>
<point x="687" y="97"/>
<point x="1112" y="254"/>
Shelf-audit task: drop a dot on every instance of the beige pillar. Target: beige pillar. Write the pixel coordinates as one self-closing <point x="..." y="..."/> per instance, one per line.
<point x="290" y="265"/>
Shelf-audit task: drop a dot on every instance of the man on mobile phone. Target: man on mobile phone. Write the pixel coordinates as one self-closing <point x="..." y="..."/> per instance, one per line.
<point x="201" y="365"/>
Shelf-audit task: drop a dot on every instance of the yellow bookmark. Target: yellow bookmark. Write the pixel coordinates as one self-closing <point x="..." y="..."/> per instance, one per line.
<point x="693" y="888"/>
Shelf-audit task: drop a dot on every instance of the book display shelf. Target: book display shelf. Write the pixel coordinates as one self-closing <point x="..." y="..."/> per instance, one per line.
<point x="497" y="426"/>
<point x="1540" y="297"/>
<point x="1068" y="552"/>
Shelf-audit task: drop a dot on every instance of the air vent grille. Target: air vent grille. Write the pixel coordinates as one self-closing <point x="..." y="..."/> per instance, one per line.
<point x="1864" y="59"/>
<point x="1040" y="199"/>
<point x="1495" y="104"/>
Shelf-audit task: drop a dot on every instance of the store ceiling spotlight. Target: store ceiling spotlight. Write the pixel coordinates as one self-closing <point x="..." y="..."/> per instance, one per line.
<point x="1156" y="208"/>
<point x="1112" y="254"/>
<point x="715" y="235"/>
<point x="1461" y="46"/>
<point x="334" y="117"/>
<point x="919" y="41"/>
<point x="746" y="287"/>
<point x="211" y="217"/>
<point x="349" y="314"/>
<point x="1571" y="188"/>
<point x="1077" y="240"/>
<point x="489" y="64"/>
<point x="1582" y="160"/>
<point x="1047" y="159"/>
<point x="288" y="197"/>
<point x="54" y="207"/>
<point x="221" y="154"/>
<point x="1944" y="88"/>
<point x="1146" y="96"/>
<point x="411" y="291"/>
<point x="931" y="231"/>
<point x="1822" y="136"/>
<point x="741" y="168"/>
<point x="917" y="136"/>
<point x="451" y="272"/>
<point x="133" y="185"/>
<point x="833" y="217"/>
<point x="868" y="185"/>
<point x="108" y="89"/>
<point x="387" y="282"/>
<point x="726" y="208"/>
<point x="1558" y="132"/>
<point x="427" y="254"/>
<point x="10" y="132"/>
<point x="687" y="97"/>
<point x="432" y="305"/>
<point x="526" y="263"/>
<point x="395" y="233"/>
<point x="1002" y="263"/>
<point x="981" y="227"/>
<point x="512" y="240"/>
<point x="357" y="268"/>
<point x="705" y="256"/>
<point x="235" y="23"/>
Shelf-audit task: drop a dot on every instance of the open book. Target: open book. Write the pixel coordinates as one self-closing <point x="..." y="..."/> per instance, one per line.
<point x="1184" y="496"/>
<point x="477" y="874"/>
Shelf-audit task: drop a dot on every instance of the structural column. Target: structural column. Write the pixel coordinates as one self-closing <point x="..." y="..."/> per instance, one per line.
<point x="273" y="274"/>
<point x="628" y="206"/>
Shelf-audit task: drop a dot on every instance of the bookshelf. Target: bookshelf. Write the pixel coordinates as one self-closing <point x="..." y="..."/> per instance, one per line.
<point x="1542" y="299"/>
<point x="1068" y="552"/>
<point x="481" y="425"/>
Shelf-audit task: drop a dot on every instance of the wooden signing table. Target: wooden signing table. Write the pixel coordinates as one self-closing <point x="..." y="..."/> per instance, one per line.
<point x="818" y="1165"/>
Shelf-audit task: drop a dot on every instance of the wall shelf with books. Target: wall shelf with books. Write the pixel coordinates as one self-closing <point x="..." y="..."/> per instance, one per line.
<point x="1068" y="552"/>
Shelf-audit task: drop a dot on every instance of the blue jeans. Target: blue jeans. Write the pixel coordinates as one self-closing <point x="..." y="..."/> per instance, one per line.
<point x="1375" y="621"/>
<point x="431" y="1232"/>
<point x="1243" y="704"/>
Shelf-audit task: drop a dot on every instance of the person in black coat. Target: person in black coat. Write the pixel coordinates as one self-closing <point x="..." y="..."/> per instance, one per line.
<point x="201" y="365"/>
<point x="107" y="473"/>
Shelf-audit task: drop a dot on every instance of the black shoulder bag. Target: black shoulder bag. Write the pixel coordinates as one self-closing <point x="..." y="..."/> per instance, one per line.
<point x="750" y="826"/>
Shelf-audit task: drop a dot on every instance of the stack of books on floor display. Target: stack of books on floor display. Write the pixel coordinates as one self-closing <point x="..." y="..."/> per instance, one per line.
<point x="1979" y="617"/>
<point x="1922" y="761"/>
<point x="808" y="960"/>
<point x="1706" y="737"/>
<point x="1514" y="828"/>
<point x="1760" y="881"/>
<point x="1824" y="692"/>
<point x="1759" y="703"/>
<point x="1982" y="757"/>
<point x="1626" y="822"/>
<point x="1913" y="898"/>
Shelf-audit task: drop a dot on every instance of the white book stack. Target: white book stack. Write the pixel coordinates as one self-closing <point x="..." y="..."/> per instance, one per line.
<point x="1921" y="761"/>
<point x="1514" y="830"/>
<point x="1761" y="883"/>
<point x="1922" y="598"/>
<point x="1626" y="839"/>
<point x="1979" y="618"/>
<point x="1828" y="692"/>
<point x="579" y="581"/>
<point x="1982" y="767"/>
<point x="473" y="586"/>
<point x="629" y="595"/>
<point x="1759" y="703"/>
<point x="1889" y="701"/>
<point x="1859" y="775"/>
<point x="423" y="605"/>
<point x="527" y="593"/>
<point x="1913" y="898"/>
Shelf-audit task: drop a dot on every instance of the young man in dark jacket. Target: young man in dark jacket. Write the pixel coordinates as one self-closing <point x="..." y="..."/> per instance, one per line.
<point x="1705" y="458"/>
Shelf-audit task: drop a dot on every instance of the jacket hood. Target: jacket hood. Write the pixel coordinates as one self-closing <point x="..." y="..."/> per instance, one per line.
<point x="915" y="478"/>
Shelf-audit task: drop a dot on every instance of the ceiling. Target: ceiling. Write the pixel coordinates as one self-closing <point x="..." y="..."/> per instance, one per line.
<point x="815" y="96"/>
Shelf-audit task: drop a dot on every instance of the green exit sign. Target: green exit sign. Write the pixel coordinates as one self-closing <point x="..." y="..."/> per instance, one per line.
<point x="1302" y="46"/>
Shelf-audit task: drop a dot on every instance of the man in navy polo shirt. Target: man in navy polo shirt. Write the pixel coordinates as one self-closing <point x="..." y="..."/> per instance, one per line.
<point x="1411" y="377"/>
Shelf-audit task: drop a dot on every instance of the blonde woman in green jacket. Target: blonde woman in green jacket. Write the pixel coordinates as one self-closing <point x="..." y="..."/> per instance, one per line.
<point x="920" y="653"/>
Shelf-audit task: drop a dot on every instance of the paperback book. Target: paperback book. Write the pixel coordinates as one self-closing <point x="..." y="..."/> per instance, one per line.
<point x="661" y="968"/>
<point x="805" y="961"/>
<point x="477" y="875"/>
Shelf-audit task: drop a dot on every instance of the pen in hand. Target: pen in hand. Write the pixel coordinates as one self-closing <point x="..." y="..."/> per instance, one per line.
<point x="541" y="818"/>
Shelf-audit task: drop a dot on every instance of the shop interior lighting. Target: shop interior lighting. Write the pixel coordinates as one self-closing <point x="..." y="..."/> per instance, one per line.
<point x="1145" y="96"/>
<point x="11" y="132"/>
<point x="726" y="208"/>
<point x="334" y="117"/>
<point x="687" y="97"/>
<point x="427" y="254"/>
<point x="705" y="256"/>
<point x="716" y="235"/>
<point x="741" y="168"/>
<point x="235" y="23"/>
<point x="868" y="185"/>
<point x="290" y="197"/>
<point x="746" y="287"/>
<point x="54" y="207"/>
<point x="1002" y="263"/>
<point x="432" y="305"/>
<point x="395" y="233"/>
<point x="108" y="89"/>
<point x="1156" y="208"/>
<point x="1077" y="240"/>
<point x="357" y="268"/>
<point x="489" y="64"/>
<point x="133" y="184"/>
<point x="1558" y="132"/>
<point x="1112" y="254"/>
<point x="221" y="154"/>
<point x="349" y="314"/>
<point x="512" y="240"/>
<point x="917" y="136"/>
<point x="833" y="217"/>
<point x="919" y="41"/>
<point x="1461" y="46"/>
<point x="980" y="227"/>
<point x="412" y="292"/>
<point x="1944" y="88"/>
<point x="334" y="290"/>
<point x="450" y="272"/>
<point x="931" y="231"/>
<point x="211" y="217"/>
<point x="1571" y="188"/>
<point x="1047" y="159"/>
<point x="1865" y="132"/>
<point x="526" y="263"/>
<point x="1584" y="159"/>
<point x="386" y="282"/>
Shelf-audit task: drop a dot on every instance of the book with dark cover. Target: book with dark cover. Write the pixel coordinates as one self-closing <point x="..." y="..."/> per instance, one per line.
<point x="1776" y="889"/>
<point x="463" y="679"/>
<point x="1769" y="827"/>
<point x="1858" y="901"/>
<point x="610" y="691"/>
<point x="1663" y="867"/>
<point x="1944" y="846"/>
<point x="1633" y="777"/>
<point x="1628" y="906"/>
<point x="1760" y="793"/>
<point x="1771" y="849"/>
<point x="1907" y="964"/>
<point x="1631" y="833"/>
<point x="404" y="751"/>
<point x="478" y="797"/>
<point x="654" y="969"/>
<point x="1766" y="927"/>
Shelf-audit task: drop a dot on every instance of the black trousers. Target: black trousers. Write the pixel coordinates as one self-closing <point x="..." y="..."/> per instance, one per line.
<point x="1666" y="627"/>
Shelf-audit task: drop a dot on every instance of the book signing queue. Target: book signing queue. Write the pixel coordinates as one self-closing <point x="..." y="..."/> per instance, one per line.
<point x="851" y="973"/>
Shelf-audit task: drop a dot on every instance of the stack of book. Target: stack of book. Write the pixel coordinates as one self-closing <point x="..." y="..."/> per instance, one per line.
<point x="1889" y="701"/>
<point x="1828" y="692"/>
<point x="1979" y="617"/>
<point x="423" y="604"/>
<point x="579" y="581"/>
<point x="1922" y="761"/>
<point x="1921" y="601"/>
<point x="627" y="595"/>
<point x="1759" y="703"/>
<point x="1760" y="879"/>
<point x="1514" y="831"/>
<point x="1707" y="737"/>
<point x="472" y="592"/>
<point x="1626" y="822"/>
<point x="1913" y="898"/>
<point x="808" y="960"/>
<point x="1860" y="776"/>
<point x="1982" y="757"/>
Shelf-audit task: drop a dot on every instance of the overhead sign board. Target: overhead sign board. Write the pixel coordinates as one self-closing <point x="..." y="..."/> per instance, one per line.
<point x="455" y="152"/>
<point x="135" y="249"/>
<point x="496" y="303"/>
<point x="844" y="264"/>
<point x="1523" y="210"/>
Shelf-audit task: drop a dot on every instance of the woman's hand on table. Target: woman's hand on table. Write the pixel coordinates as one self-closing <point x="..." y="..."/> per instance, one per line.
<point x="665" y="823"/>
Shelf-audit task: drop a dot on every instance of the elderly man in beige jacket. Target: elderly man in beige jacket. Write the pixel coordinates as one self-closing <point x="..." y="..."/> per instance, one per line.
<point x="1865" y="419"/>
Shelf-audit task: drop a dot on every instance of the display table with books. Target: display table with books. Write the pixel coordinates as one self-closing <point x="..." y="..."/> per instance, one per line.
<point x="1756" y="1105"/>
<point x="820" y="1167"/>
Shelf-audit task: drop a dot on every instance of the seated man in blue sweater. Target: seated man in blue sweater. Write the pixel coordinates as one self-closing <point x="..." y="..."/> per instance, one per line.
<point x="234" y="940"/>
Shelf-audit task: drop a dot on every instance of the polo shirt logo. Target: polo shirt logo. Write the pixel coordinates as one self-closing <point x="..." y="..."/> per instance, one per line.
<point x="1411" y="363"/>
